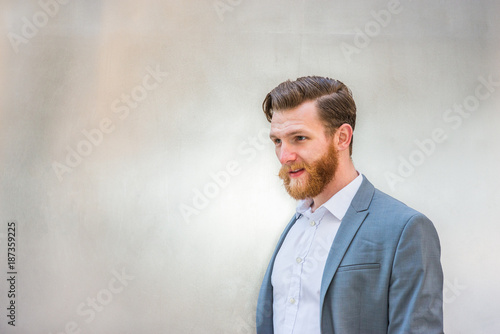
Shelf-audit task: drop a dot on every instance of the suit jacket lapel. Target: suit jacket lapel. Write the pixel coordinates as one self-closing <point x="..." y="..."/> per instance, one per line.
<point x="351" y="222"/>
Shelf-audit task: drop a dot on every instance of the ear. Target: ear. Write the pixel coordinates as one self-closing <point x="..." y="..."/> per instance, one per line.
<point x="343" y="137"/>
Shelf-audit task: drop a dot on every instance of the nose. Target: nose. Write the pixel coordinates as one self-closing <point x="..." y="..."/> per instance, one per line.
<point x="286" y="154"/>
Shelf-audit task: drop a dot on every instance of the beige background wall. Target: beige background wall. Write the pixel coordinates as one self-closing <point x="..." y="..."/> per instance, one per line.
<point x="135" y="162"/>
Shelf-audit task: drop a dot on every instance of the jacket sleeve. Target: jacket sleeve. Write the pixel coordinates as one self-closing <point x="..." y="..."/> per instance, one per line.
<point x="416" y="284"/>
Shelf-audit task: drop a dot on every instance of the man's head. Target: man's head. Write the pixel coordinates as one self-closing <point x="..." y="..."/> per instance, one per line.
<point x="312" y="120"/>
<point x="333" y="99"/>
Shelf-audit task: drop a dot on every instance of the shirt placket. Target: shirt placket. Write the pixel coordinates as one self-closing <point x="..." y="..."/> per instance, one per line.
<point x="311" y="223"/>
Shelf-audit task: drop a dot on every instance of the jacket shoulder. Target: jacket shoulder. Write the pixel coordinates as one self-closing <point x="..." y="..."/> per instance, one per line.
<point x="387" y="208"/>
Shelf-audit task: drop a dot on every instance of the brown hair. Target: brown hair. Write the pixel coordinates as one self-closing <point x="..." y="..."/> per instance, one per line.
<point x="333" y="100"/>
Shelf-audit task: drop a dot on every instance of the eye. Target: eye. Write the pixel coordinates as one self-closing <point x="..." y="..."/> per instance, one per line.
<point x="277" y="141"/>
<point x="300" y="138"/>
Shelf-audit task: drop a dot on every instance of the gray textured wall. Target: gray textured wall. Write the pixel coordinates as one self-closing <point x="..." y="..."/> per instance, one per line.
<point x="135" y="162"/>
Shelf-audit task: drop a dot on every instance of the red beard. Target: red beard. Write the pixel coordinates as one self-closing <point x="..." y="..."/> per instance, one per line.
<point x="316" y="177"/>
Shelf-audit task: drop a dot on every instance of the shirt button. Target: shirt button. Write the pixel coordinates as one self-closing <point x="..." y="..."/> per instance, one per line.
<point x="312" y="223"/>
<point x="299" y="260"/>
<point x="292" y="300"/>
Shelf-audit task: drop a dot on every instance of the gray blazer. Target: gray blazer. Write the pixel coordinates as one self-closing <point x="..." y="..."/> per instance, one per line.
<point x="382" y="275"/>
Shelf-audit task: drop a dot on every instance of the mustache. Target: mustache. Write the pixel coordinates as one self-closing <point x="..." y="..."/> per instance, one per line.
<point x="285" y="169"/>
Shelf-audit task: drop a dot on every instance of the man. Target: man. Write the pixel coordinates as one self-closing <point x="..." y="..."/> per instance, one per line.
<point x="352" y="259"/>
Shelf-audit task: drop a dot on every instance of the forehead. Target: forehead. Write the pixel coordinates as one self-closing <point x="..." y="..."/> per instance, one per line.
<point x="301" y="118"/>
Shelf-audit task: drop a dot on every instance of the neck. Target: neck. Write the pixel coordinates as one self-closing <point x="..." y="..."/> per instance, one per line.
<point x="344" y="175"/>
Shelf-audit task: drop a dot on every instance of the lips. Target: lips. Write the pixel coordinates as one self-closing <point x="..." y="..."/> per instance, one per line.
<point x="288" y="172"/>
<point x="296" y="172"/>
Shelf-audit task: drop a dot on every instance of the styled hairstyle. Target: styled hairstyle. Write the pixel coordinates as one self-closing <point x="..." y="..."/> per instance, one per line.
<point x="333" y="100"/>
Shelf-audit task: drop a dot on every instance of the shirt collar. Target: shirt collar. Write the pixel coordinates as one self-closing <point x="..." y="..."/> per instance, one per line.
<point x="338" y="204"/>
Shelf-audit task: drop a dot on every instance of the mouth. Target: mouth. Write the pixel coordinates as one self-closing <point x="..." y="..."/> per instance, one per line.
<point x="296" y="172"/>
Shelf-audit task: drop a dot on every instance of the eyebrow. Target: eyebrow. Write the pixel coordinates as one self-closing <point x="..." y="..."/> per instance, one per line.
<point x="291" y="134"/>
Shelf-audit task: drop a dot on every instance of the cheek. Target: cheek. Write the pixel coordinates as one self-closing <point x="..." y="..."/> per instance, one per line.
<point x="306" y="154"/>
<point x="311" y="156"/>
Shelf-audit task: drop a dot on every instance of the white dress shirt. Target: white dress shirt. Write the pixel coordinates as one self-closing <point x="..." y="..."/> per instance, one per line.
<point x="299" y="264"/>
